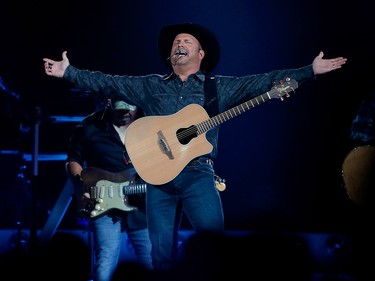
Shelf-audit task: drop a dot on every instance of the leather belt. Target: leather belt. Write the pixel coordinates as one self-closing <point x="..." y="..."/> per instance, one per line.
<point x="201" y="160"/>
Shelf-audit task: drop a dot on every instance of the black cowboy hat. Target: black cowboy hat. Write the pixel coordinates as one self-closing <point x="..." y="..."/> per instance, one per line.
<point x="206" y="38"/>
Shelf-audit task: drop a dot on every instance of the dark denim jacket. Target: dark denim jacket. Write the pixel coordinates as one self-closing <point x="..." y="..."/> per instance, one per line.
<point x="159" y="95"/>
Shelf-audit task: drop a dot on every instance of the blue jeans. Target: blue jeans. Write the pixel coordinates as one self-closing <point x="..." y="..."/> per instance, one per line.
<point x="107" y="234"/>
<point x="193" y="192"/>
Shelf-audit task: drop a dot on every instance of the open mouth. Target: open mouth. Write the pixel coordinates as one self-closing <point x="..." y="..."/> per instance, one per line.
<point x="180" y="52"/>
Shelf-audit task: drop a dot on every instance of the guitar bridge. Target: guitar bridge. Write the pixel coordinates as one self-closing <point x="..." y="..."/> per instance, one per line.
<point x="164" y="145"/>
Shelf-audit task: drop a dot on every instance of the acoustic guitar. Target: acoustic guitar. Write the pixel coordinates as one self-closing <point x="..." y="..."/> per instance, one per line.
<point x="161" y="146"/>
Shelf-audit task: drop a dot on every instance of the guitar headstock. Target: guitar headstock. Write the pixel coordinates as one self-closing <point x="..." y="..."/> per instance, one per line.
<point x="283" y="88"/>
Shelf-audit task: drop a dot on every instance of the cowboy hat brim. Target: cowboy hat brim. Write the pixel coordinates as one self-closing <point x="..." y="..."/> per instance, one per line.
<point x="206" y="38"/>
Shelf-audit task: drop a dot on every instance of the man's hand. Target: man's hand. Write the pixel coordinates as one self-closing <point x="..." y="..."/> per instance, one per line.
<point x="321" y="65"/>
<point x="84" y="205"/>
<point x="56" y="68"/>
<point x="81" y="198"/>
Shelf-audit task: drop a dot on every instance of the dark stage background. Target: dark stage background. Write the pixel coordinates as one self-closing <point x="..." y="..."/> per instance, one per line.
<point x="281" y="161"/>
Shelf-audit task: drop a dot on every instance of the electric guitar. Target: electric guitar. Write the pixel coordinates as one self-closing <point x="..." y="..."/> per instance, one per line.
<point x="159" y="147"/>
<point x="109" y="190"/>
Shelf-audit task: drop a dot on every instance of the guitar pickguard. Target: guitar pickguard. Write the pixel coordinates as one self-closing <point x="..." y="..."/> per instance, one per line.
<point x="109" y="190"/>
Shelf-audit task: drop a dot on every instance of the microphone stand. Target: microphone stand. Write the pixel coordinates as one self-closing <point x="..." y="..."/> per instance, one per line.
<point x="34" y="184"/>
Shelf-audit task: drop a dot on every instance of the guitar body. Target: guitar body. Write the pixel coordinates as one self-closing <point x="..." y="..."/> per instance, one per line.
<point x="154" y="163"/>
<point x="358" y="172"/>
<point x="109" y="190"/>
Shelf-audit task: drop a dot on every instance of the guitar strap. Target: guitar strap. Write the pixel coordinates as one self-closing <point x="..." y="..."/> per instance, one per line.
<point x="211" y="105"/>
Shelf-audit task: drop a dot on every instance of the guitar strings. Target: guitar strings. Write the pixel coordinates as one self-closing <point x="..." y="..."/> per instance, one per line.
<point x="287" y="87"/>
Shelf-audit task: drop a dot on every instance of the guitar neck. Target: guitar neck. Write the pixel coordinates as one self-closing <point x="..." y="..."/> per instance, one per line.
<point x="277" y="91"/>
<point x="134" y="189"/>
<point x="231" y="113"/>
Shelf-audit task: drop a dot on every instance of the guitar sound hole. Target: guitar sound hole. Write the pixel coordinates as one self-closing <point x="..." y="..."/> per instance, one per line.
<point x="185" y="135"/>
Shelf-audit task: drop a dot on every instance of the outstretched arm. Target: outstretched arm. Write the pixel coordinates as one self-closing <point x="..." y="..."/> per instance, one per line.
<point x="321" y="65"/>
<point x="56" y="68"/>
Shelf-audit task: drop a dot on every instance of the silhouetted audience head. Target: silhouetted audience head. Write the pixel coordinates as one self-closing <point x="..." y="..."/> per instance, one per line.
<point x="261" y="257"/>
<point x="65" y="257"/>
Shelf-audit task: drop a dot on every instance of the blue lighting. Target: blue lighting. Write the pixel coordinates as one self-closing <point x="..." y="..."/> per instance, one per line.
<point x="66" y="119"/>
